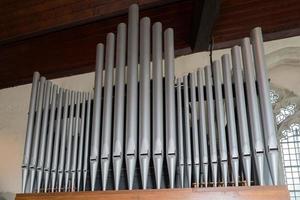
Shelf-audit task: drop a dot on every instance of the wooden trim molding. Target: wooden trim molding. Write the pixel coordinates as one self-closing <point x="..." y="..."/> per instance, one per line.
<point x="229" y="193"/>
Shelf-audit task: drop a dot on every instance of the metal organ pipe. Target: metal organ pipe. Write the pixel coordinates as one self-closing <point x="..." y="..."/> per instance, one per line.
<point x="132" y="94"/>
<point x="29" y="130"/>
<point x="95" y="135"/>
<point x="119" y="103"/>
<point x="144" y="100"/>
<point x="105" y="153"/>
<point x="157" y="106"/>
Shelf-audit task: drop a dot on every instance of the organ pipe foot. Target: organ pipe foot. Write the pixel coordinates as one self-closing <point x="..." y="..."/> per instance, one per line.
<point x="144" y="167"/>
<point x="31" y="179"/>
<point x="66" y="180"/>
<point x="84" y="180"/>
<point x="224" y="168"/>
<point x="214" y="168"/>
<point x="39" y="179"/>
<point x="104" y="171"/>
<point x="181" y="172"/>
<point x="94" y="167"/>
<point x="158" y="163"/>
<point x="60" y="180"/>
<point x="171" y="162"/>
<point x="273" y="162"/>
<point x="24" y="178"/>
<point x="130" y="168"/>
<point x="78" y="180"/>
<point x="73" y="176"/>
<point x="117" y="166"/>
<point x="235" y="170"/>
<point x="53" y="178"/>
<point x="189" y="174"/>
<point x="197" y="174"/>
<point x="259" y="158"/>
<point x="46" y="180"/>
<point x="205" y="172"/>
<point x="247" y="168"/>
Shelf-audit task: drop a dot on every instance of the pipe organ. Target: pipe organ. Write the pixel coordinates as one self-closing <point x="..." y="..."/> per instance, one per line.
<point x="143" y="128"/>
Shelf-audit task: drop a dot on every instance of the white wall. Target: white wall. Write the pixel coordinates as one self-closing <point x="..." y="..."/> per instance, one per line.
<point x="14" y="106"/>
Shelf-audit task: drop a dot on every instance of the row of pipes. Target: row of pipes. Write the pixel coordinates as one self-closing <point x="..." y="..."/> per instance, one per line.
<point x="207" y="127"/>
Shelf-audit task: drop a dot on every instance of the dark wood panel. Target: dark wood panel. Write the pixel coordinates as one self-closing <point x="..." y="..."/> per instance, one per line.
<point x="237" y="18"/>
<point x="229" y="193"/>
<point x="20" y="19"/>
<point x="72" y="51"/>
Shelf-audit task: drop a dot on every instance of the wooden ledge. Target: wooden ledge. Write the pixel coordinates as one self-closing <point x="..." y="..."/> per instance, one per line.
<point x="229" y="193"/>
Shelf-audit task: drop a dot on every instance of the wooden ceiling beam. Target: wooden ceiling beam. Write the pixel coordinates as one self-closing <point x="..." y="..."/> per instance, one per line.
<point x="204" y="18"/>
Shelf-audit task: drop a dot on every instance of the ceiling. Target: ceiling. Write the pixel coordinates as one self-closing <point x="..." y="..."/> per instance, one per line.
<point x="58" y="37"/>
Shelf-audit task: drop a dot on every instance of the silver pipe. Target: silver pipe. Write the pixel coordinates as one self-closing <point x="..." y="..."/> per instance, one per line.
<point x="96" y="120"/>
<point x="43" y="136"/>
<point x="253" y="110"/>
<point x="241" y="112"/>
<point x="29" y="130"/>
<point x="230" y="116"/>
<point x="220" y="120"/>
<point x="180" y="132"/>
<point x="74" y="154"/>
<point x="187" y="131"/>
<point x="56" y="140"/>
<point x="265" y="103"/>
<point x="144" y="100"/>
<point x="105" y="155"/>
<point x="81" y="139"/>
<point x="62" y="151"/>
<point x="36" y="135"/>
<point x="157" y="106"/>
<point x="69" y="140"/>
<point x="49" y="143"/>
<point x="119" y="103"/>
<point x="132" y="94"/>
<point x="195" y="138"/>
<point x="171" y="151"/>
<point x="86" y="140"/>
<point x="211" y="124"/>
<point x="202" y="126"/>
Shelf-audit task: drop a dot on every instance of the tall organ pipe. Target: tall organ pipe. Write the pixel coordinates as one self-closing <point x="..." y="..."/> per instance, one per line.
<point x="69" y="140"/>
<point x="86" y="141"/>
<point x="253" y="110"/>
<point x="220" y="120"/>
<point x="62" y="152"/>
<point x="187" y="131"/>
<point x="57" y="138"/>
<point x="230" y="116"/>
<point x="119" y="101"/>
<point x="105" y="153"/>
<point x="202" y="126"/>
<point x="171" y="151"/>
<point x="265" y="103"/>
<point x="132" y="94"/>
<point x="81" y="139"/>
<point x="36" y="137"/>
<point x="180" y="132"/>
<point x="195" y="138"/>
<point x="241" y="112"/>
<point x="49" y="143"/>
<point x="211" y="125"/>
<point x="144" y="101"/>
<point x="43" y="136"/>
<point x="157" y="106"/>
<point x="75" y="142"/>
<point x="29" y="130"/>
<point x="95" y="135"/>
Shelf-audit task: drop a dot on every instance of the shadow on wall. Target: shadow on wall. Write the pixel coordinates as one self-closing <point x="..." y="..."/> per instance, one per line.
<point x="7" y="196"/>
